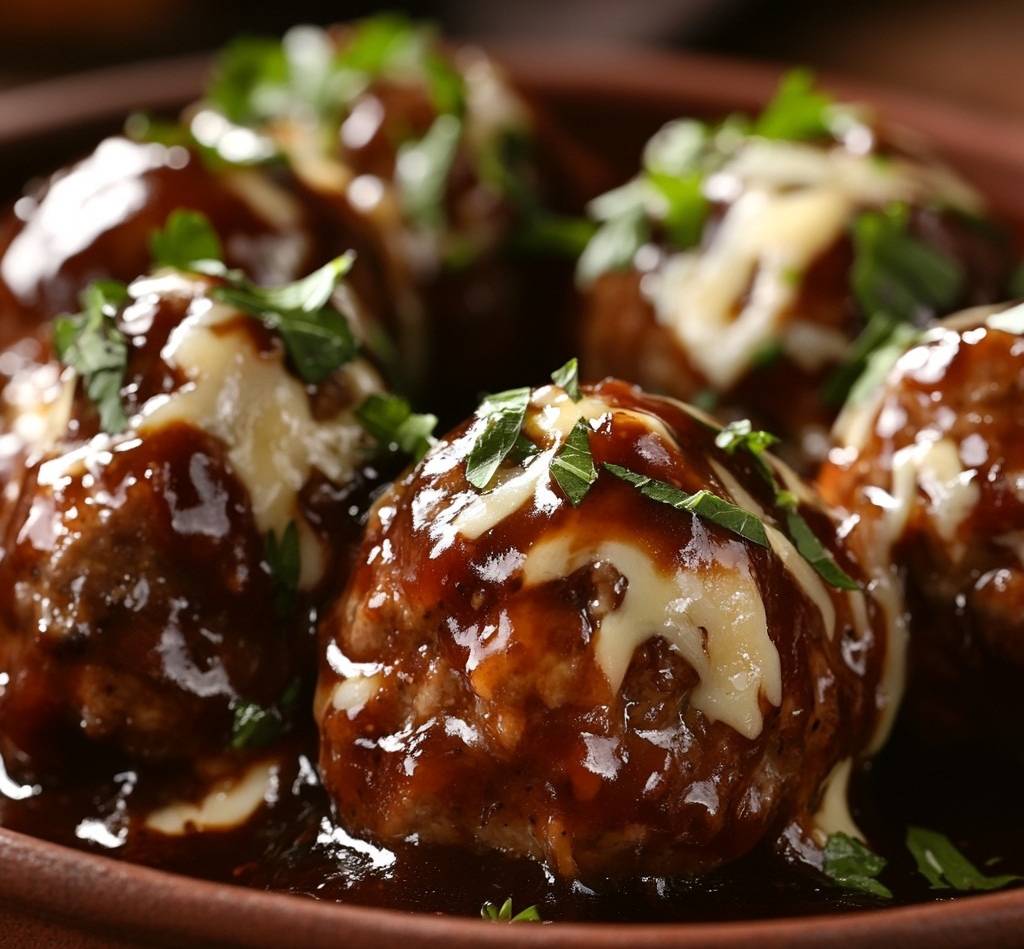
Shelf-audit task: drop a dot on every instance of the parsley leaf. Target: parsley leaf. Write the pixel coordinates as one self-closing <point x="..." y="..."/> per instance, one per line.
<point x="945" y="867"/>
<point x="852" y="865"/>
<point x="686" y="207"/>
<point x="798" y="111"/>
<point x="250" y="80"/>
<point x="881" y="360"/>
<point x="391" y="420"/>
<point x="503" y="415"/>
<point x="702" y="503"/>
<point x="573" y="465"/>
<point x="92" y="345"/>
<point x="568" y="377"/>
<point x="896" y="278"/>
<point x="504" y="915"/>
<point x="317" y="337"/>
<point x="256" y="726"/>
<point x="187" y="242"/>
<point x="613" y="246"/>
<point x="742" y="435"/>
<point x="284" y="562"/>
<point x="421" y="174"/>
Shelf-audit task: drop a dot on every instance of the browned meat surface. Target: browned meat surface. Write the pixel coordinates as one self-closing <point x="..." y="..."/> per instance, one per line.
<point x="475" y="688"/>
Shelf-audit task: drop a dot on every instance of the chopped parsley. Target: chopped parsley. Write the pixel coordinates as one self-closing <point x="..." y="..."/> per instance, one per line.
<point x="256" y="726"/>
<point x="896" y="279"/>
<point x="568" y="377"/>
<point x="284" y="562"/>
<point x="573" y="465"/>
<point x="703" y="503"/>
<point x="854" y="866"/>
<point x="503" y="415"/>
<point x="741" y="435"/>
<point x="798" y="111"/>
<point x="187" y="242"/>
<point x="945" y="867"/>
<point x="91" y="344"/>
<point x="391" y="420"/>
<point x="422" y="172"/>
<point x="316" y="336"/>
<point x="503" y="914"/>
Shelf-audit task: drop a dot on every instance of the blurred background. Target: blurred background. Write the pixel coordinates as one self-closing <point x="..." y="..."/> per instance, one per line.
<point x="967" y="52"/>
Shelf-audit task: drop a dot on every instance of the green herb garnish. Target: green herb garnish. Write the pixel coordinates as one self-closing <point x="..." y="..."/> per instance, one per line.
<point x="573" y="465"/>
<point x="317" y="337"/>
<point x="741" y="435"/>
<point x="391" y="420"/>
<point x="568" y="377"/>
<point x="613" y="246"/>
<point x="284" y="561"/>
<point x="91" y="344"/>
<point x="798" y="111"/>
<point x="187" y="242"/>
<point x="852" y="865"/>
<point x="897" y="279"/>
<point x="504" y="915"/>
<point x="256" y="726"/>
<point x="421" y="174"/>
<point x="503" y="415"/>
<point x="945" y="867"/>
<point x="703" y="503"/>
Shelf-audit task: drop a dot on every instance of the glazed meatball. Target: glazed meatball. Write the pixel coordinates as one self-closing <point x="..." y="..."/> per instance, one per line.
<point x="431" y="153"/>
<point x="752" y="265"/>
<point x="164" y="534"/>
<point x="928" y="463"/>
<point x="94" y="220"/>
<point x="642" y="675"/>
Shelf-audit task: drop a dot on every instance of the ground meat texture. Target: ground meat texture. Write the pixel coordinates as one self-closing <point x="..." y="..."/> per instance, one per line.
<point x="138" y="603"/>
<point x="475" y="689"/>
<point x="631" y="325"/>
<point x="930" y="463"/>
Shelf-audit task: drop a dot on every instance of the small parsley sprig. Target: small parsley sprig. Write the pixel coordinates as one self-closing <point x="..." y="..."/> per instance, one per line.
<point x="316" y="336"/>
<point x="283" y="558"/>
<point x="742" y="436"/>
<point x="854" y="866"/>
<point x="573" y="465"/>
<point x="503" y="414"/>
<point x="256" y="726"/>
<point x="945" y="867"/>
<point x="703" y="503"/>
<point x="91" y="344"/>
<point x="503" y="914"/>
<point x="392" y="422"/>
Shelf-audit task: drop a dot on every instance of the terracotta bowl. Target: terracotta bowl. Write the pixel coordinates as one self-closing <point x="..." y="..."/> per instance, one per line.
<point x="610" y="100"/>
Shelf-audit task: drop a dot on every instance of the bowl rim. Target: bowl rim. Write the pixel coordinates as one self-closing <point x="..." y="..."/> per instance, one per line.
<point x="95" y="890"/>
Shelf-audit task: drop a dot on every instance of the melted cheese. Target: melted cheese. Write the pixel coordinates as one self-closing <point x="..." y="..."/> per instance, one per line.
<point x="230" y="804"/>
<point x="790" y="202"/>
<point x="714" y="618"/>
<point x="486" y="511"/>
<point x="833" y="815"/>
<point x="553" y="414"/>
<point x="260" y="411"/>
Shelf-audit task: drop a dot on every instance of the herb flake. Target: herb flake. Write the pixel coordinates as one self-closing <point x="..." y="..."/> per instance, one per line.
<point x="567" y="377"/>
<point x="187" y="241"/>
<point x="573" y="465"/>
<point x="256" y="726"/>
<point x="503" y="415"/>
<point x="503" y="914"/>
<point x="283" y="558"/>
<point x="703" y="503"/>
<point x="854" y="866"/>
<point x="392" y="422"/>
<point x="944" y="866"/>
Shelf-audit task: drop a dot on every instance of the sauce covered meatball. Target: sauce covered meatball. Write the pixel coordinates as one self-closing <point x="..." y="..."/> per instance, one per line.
<point x="929" y="462"/>
<point x="95" y="219"/>
<point x="592" y="629"/>
<point x="752" y="266"/>
<point x="179" y="485"/>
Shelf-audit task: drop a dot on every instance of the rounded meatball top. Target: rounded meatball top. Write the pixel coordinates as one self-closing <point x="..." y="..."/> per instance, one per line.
<point x="757" y="262"/>
<point x="929" y="458"/>
<point x="614" y="635"/>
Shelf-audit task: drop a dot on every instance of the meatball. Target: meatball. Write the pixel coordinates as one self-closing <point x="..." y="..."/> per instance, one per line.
<point x="598" y="678"/>
<point x="750" y="267"/>
<point x="929" y="464"/>
<point x="432" y="154"/>
<point x="94" y="220"/>
<point x="165" y="534"/>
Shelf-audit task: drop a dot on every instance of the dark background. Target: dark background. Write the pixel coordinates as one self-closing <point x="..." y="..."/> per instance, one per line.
<point x="966" y="51"/>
